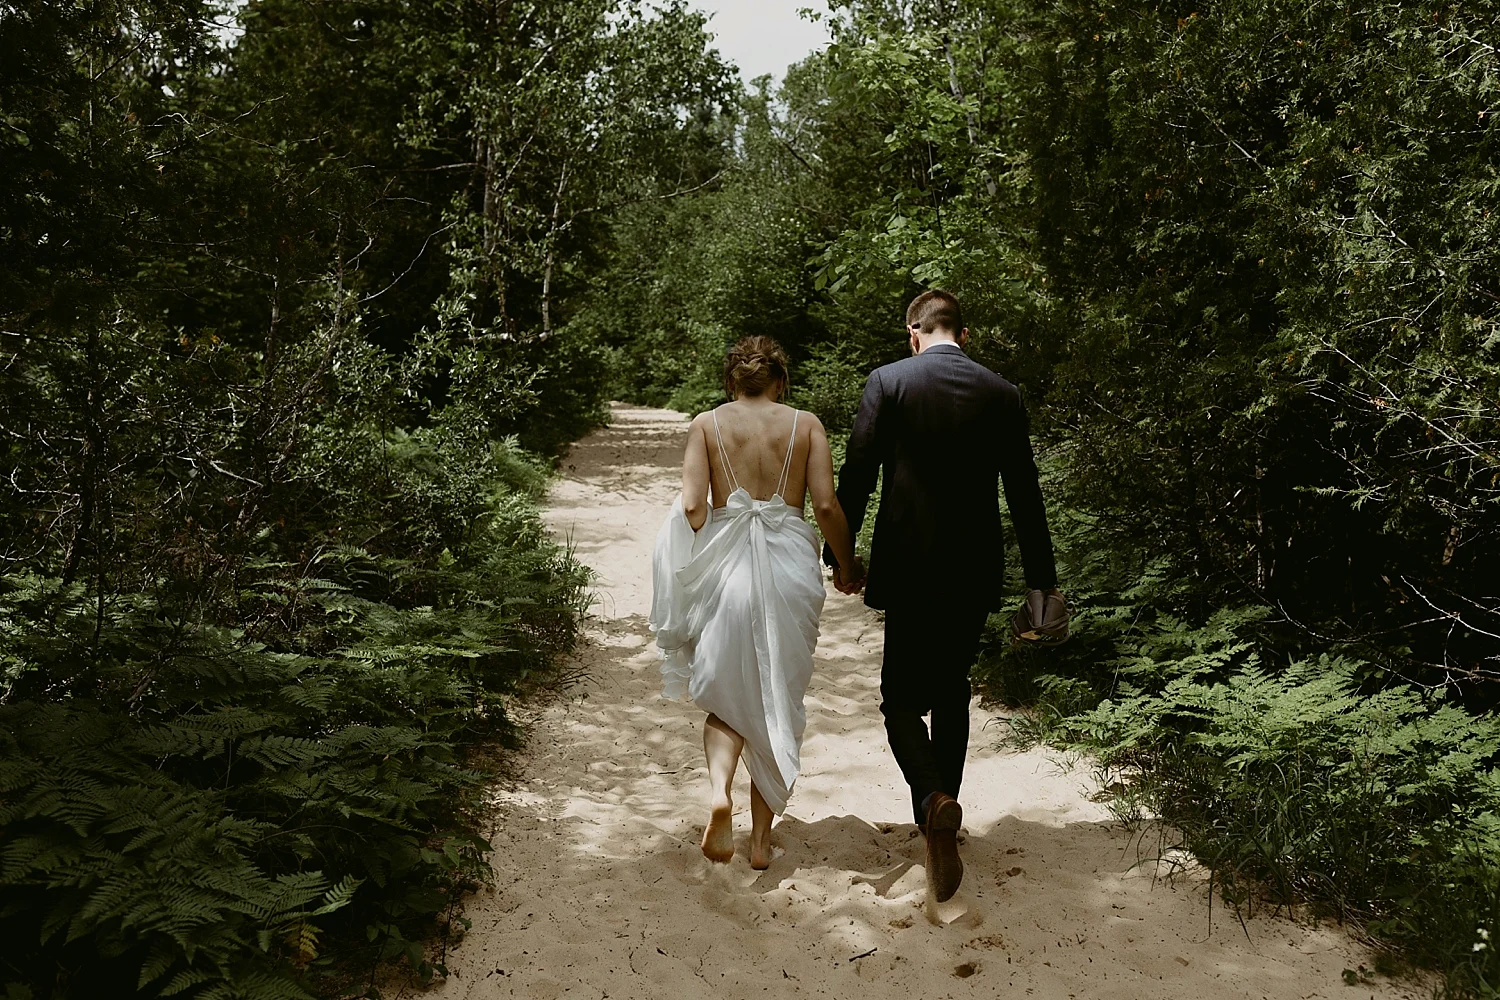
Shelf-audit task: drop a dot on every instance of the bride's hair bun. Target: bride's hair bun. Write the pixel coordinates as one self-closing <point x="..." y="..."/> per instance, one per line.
<point x="753" y="365"/>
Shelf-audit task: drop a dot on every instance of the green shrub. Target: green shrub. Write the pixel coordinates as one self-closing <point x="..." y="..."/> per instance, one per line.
<point x="1303" y="785"/>
<point x="830" y="384"/>
<point x="247" y="810"/>
<point x="1296" y="787"/>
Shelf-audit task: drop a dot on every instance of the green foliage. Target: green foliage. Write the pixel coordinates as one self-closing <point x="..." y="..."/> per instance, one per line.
<point x="1177" y="248"/>
<point x="686" y="278"/>
<point x="292" y="782"/>
<point x="1296" y="786"/>
<point x="278" y="354"/>
<point x="1301" y="780"/>
<point x="1235" y="255"/>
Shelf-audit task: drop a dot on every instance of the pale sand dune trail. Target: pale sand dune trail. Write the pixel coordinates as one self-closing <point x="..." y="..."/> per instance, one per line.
<point x="600" y="890"/>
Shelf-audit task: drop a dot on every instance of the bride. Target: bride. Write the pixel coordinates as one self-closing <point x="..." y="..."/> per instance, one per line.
<point x="738" y="586"/>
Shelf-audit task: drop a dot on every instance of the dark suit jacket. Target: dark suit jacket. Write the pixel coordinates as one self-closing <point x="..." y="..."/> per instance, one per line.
<point x="944" y="428"/>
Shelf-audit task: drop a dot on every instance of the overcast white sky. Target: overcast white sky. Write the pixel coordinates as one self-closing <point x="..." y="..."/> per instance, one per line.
<point x="763" y="36"/>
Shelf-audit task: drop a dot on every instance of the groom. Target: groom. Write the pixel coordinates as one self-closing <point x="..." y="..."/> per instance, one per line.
<point x="944" y="428"/>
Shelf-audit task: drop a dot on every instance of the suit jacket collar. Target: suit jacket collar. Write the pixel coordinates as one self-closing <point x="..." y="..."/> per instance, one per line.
<point x="944" y="346"/>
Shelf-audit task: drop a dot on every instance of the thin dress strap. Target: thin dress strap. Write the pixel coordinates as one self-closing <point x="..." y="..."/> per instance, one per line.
<point x="734" y="483"/>
<point x="786" y="466"/>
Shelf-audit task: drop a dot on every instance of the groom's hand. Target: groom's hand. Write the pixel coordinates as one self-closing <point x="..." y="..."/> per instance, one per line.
<point x="851" y="581"/>
<point x="839" y="583"/>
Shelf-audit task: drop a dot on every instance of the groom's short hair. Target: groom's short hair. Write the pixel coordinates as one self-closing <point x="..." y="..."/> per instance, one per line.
<point x="935" y="310"/>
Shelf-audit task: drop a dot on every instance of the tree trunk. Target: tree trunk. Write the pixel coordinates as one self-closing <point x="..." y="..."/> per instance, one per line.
<point x="551" y="257"/>
<point x="93" y="445"/>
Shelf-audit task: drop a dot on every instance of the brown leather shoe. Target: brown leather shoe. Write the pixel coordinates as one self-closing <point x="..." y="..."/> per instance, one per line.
<point x="945" y="870"/>
<point x="1042" y="619"/>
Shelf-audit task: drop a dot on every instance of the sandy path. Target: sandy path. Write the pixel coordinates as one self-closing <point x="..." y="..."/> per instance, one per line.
<point x="601" y="891"/>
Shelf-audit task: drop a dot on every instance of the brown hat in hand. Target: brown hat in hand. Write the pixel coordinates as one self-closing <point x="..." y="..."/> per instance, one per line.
<point x="1042" y="619"/>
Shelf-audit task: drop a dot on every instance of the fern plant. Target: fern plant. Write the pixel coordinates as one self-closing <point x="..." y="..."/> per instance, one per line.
<point x="1301" y="785"/>
<point x="243" y="810"/>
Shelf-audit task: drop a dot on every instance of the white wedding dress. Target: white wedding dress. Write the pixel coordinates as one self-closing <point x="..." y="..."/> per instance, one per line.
<point x="735" y="613"/>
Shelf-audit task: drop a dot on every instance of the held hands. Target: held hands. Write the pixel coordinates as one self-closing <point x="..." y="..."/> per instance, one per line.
<point x="850" y="580"/>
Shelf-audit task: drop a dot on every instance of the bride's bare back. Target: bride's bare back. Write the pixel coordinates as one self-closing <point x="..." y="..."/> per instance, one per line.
<point x="755" y="431"/>
<point x="756" y="437"/>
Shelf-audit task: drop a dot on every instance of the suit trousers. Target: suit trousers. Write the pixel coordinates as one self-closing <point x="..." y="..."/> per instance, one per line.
<point x="928" y="652"/>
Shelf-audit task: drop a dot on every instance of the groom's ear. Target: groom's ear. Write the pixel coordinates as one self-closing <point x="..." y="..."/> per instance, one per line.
<point x="963" y="337"/>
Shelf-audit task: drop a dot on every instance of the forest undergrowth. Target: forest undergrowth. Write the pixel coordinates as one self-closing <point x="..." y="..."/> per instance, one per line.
<point x="272" y="784"/>
<point x="1306" y="779"/>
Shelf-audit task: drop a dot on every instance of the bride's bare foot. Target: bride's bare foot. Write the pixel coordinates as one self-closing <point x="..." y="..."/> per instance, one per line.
<point x="722" y="746"/>
<point x="718" y="836"/>
<point x="761" y="818"/>
<point x="760" y="851"/>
